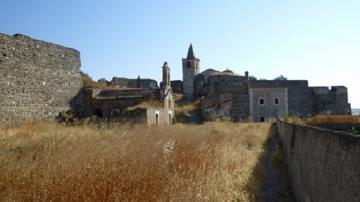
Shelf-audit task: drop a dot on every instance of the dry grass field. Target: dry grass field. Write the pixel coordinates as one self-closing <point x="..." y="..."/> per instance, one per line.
<point x="333" y="119"/>
<point x="211" y="162"/>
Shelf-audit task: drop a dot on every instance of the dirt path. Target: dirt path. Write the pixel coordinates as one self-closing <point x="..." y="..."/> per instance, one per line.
<point x="276" y="186"/>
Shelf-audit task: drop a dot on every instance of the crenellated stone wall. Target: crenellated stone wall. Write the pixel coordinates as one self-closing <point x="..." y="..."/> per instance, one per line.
<point x="38" y="79"/>
<point x="331" y="101"/>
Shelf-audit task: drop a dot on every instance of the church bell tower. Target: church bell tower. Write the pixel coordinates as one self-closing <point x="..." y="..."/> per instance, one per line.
<point x="191" y="67"/>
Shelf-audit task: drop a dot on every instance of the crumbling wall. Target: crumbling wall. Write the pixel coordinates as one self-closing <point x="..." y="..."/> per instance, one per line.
<point x="112" y="103"/>
<point x="331" y="101"/>
<point x="38" y="79"/>
<point x="228" y="98"/>
<point x="119" y="82"/>
<point x="323" y="165"/>
<point x="176" y="86"/>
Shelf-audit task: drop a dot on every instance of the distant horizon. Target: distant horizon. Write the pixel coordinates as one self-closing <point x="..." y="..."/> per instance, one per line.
<point x="307" y="40"/>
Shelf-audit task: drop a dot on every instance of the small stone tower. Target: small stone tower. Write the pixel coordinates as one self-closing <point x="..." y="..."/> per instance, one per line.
<point x="166" y="85"/>
<point x="166" y="74"/>
<point x="191" y="67"/>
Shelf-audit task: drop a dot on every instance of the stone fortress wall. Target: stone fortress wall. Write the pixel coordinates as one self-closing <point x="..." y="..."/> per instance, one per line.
<point x="331" y="100"/>
<point x="268" y="103"/>
<point x="294" y="97"/>
<point x="228" y="97"/>
<point x="38" y="79"/>
<point x="299" y="94"/>
<point x="323" y="165"/>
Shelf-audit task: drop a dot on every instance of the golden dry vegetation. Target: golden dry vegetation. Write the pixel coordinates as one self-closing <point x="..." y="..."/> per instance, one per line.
<point x="211" y="162"/>
<point x="147" y="103"/>
<point x="333" y="119"/>
<point x="89" y="83"/>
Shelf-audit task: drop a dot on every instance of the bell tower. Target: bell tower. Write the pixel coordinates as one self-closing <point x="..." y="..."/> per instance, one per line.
<point x="191" y="67"/>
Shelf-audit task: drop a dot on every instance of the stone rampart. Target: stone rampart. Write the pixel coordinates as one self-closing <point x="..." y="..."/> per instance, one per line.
<point x="323" y="165"/>
<point x="38" y="79"/>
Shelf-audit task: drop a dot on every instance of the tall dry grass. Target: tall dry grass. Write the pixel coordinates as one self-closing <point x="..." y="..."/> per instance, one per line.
<point x="333" y="119"/>
<point x="212" y="162"/>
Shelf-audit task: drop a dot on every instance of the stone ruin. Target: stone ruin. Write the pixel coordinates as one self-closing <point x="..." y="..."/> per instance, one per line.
<point x="40" y="80"/>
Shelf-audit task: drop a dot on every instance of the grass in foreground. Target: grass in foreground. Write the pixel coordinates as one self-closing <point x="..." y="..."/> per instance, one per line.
<point x="211" y="162"/>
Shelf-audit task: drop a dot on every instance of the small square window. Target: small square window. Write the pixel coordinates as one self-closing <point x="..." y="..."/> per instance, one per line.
<point x="262" y="101"/>
<point x="276" y="101"/>
<point x="262" y="119"/>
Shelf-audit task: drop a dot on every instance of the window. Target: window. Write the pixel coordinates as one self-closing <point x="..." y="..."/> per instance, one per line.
<point x="169" y="103"/>
<point x="262" y="119"/>
<point x="276" y="101"/>
<point x="188" y="64"/>
<point x="157" y="118"/>
<point x="261" y="101"/>
<point x="170" y="119"/>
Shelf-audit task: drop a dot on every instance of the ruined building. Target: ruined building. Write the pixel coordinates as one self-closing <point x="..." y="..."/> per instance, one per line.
<point x="138" y="105"/>
<point x="39" y="80"/>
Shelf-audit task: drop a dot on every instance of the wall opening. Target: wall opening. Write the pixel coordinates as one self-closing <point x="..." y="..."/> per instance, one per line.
<point x="261" y="101"/>
<point x="188" y="64"/>
<point x="169" y="103"/>
<point x="276" y="101"/>
<point x="262" y="119"/>
<point x="170" y="119"/>
<point x="157" y="118"/>
<point x="99" y="113"/>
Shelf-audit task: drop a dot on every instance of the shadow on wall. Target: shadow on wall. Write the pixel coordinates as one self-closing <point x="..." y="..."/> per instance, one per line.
<point x="77" y="105"/>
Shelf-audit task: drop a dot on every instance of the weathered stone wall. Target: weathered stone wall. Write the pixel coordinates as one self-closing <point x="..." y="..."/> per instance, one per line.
<point x="201" y="85"/>
<point x="38" y="79"/>
<point x="133" y="83"/>
<point x="113" y="103"/>
<point x="331" y="101"/>
<point x="323" y="165"/>
<point x="269" y="109"/>
<point x="176" y="86"/>
<point x="300" y="98"/>
<point x="228" y="98"/>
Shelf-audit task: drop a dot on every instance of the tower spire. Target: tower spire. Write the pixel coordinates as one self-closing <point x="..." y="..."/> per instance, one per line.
<point x="190" y="54"/>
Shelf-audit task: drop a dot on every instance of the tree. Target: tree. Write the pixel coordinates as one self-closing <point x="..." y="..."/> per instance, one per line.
<point x="281" y="78"/>
<point x="252" y="78"/>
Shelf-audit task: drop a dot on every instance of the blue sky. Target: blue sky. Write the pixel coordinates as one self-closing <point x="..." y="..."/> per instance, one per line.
<point x="317" y="40"/>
